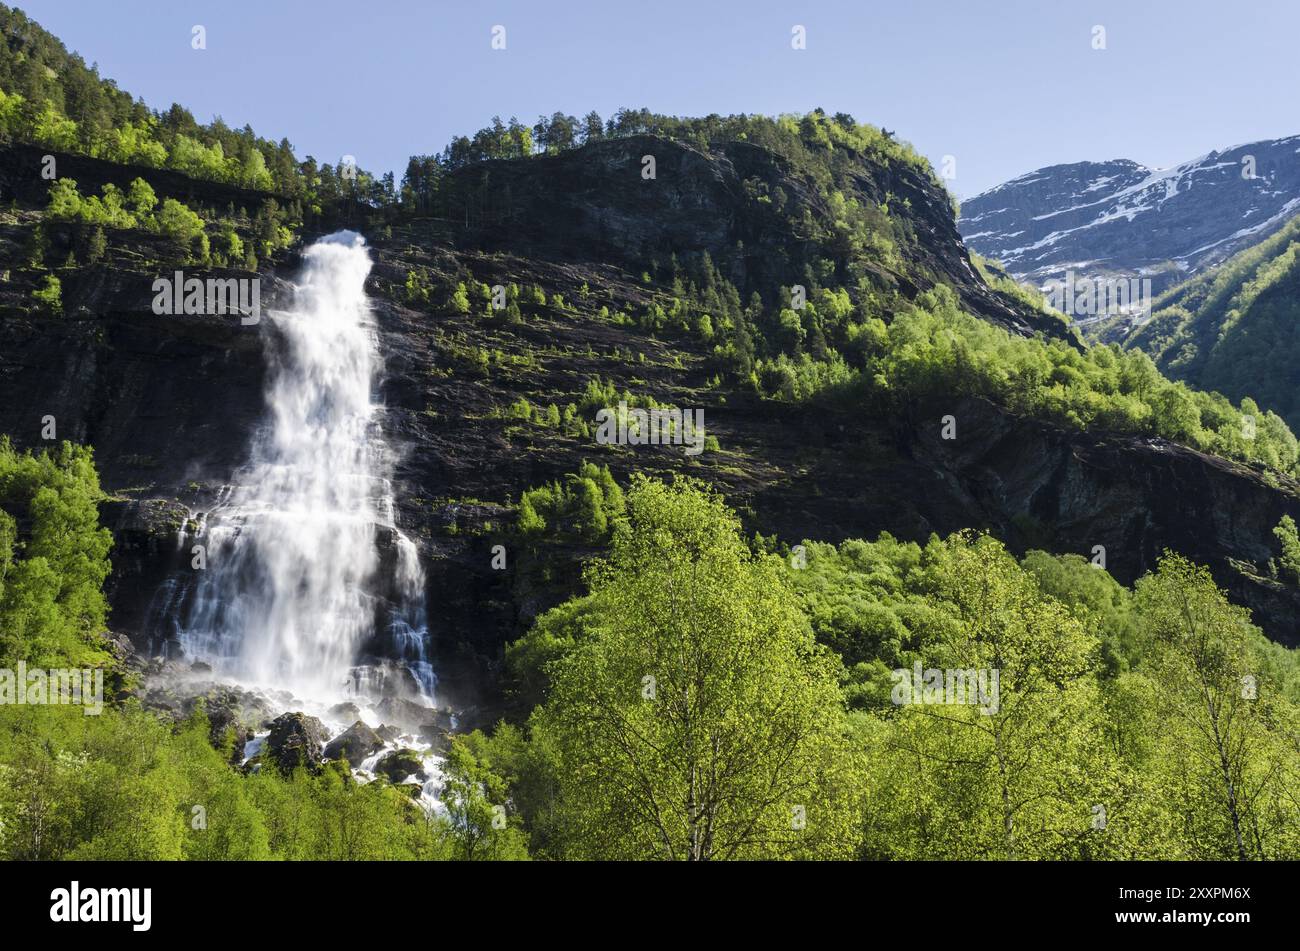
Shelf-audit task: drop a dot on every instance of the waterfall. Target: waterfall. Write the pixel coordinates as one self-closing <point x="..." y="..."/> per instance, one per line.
<point x="289" y="595"/>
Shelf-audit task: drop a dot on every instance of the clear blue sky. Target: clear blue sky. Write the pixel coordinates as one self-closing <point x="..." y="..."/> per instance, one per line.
<point x="1005" y="86"/>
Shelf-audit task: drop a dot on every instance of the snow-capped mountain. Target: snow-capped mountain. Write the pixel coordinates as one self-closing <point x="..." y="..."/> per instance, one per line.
<point x="1122" y="218"/>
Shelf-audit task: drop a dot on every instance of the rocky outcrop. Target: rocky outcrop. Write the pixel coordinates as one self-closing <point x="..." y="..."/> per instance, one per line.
<point x="1038" y="486"/>
<point x="345" y="710"/>
<point x="233" y="713"/>
<point x="438" y="738"/>
<point x="296" y="739"/>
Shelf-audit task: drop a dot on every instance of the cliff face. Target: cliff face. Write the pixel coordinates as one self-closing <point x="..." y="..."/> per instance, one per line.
<point x="169" y="404"/>
<point x="592" y="204"/>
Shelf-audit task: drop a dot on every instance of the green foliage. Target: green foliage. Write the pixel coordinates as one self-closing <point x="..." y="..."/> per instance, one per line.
<point x="52" y="610"/>
<point x="270" y="226"/>
<point x="1223" y="753"/>
<point x="1151" y="725"/>
<point x="96" y="245"/>
<point x="125" y="786"/>
<point x="1010" y="779"/>
<point x="418" y="287"/>
<point x="660" y="750"/>
<point x="1287" y="535"/>
<point x="521" y="409"/>
<point x="1232" y="329"/>
<point x="50" y="97"/>
<point x="108" y="209"/>
<point x="475" y="797"/>
<point x="49" y="295"/>
<point x="583" y="506"/>
<point x="112" y="209"/>
<point x="230" y="247"/>
<point x="866" y="601"/>
<point x="141" y="198"/>
<point x="802" y="377"/>
<point x="1097" y="599"/>
<point x="839" y="345"/>
<point x="459" y="300"/>
<point x="799" y="139"/>
<point x="933" y="349"/>
<point x="998" y="279"/>
<point x="182" y="225"/>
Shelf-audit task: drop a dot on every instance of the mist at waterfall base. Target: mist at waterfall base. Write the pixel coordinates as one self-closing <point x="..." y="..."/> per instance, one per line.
<point x="311" y="593"/>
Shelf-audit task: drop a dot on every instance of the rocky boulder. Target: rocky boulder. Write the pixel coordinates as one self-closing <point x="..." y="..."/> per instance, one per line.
<point x="408" y="714"/>
<point x="296" y="739"/>
<point x="399" y="764"/>
<point x="354" y="744"/>
<point x="346" y="710"/>
<point x="438" y="738"/>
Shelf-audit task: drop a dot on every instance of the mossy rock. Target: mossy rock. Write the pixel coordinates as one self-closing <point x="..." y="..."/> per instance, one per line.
<point x="400" y="764"/>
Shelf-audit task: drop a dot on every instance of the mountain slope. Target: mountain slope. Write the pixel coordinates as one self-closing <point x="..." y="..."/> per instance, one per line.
<point x="1122" y="218"/>
<point x="1234" y="329"/>
<point x="770" y="209"/>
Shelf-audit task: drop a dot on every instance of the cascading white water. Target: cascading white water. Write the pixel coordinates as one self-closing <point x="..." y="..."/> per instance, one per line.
<point x="287" y="597"/>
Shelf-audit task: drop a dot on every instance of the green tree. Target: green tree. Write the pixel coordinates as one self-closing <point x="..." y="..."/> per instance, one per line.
<point x="50" y="295"/>
<point x="1286" y="534"/>
<point x="530" y="521"/>
<point x="141" y="198"/>
<point x="476" y="801"/>
<point x="1010" y="772"/>
<point x="96" y="245"/>
<point x="1225" y="772"/>
<point x="589" y="505"/>
<point x="182" y="226"/>
<point x="52" y="608"/>
<point x="699" y="719"/>
<point x="459" y="301"/>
